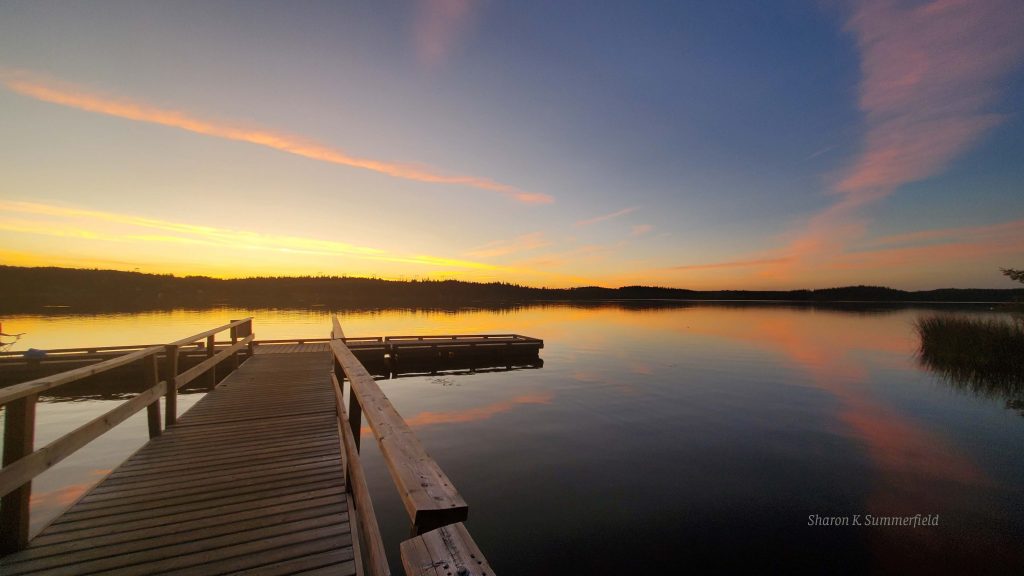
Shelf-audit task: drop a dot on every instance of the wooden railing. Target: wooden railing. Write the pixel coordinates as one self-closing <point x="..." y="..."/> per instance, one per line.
<point x="22" y="462"/>
<point x="435" y="508"/>
<point x="88" y="350"/>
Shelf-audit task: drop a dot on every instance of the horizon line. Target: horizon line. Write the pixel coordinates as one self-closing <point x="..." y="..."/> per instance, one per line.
<point x="525" y="286"/>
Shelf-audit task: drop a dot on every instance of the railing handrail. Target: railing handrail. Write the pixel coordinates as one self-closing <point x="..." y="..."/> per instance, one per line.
<point x="355" y="482"/>
<point x="17" y="391"/>
<point x="435" y="508"/>
<point x="22" y="462"/>
<point x="428" y="494"/>
<point x="17" y="353"/>
<point x="211" y="332"/>
<point x="32" y="387"/>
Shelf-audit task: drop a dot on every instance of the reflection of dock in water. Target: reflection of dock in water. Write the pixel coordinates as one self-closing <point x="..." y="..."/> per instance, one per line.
<point x="261" y="476"/>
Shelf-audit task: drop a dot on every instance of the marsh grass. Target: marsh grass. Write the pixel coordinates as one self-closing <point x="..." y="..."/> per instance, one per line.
<point x="983" y="356"/>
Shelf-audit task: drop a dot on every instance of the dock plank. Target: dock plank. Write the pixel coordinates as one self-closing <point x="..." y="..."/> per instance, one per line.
<point x="250" y="480"/>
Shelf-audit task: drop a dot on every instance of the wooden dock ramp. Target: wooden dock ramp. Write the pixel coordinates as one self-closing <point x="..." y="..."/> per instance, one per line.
<point x="250" y="480"/>
<point x="261" y="477"/>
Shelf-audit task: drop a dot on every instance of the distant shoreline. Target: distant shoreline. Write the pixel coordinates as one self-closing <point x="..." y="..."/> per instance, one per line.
<point x="43" y="289"/>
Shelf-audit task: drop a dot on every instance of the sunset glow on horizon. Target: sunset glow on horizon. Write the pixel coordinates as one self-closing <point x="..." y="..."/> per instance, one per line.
<point x="779" y="146"/>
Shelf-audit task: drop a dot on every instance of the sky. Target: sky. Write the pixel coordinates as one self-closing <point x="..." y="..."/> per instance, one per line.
<point x="704" y="145"/>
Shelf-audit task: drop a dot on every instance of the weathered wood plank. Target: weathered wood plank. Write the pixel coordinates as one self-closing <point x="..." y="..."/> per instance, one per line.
<point x="165" y="541"/>
<point x="129" y="524"/>
<point x="333" y="562"/>
<point x="446" y="550"/>
<point x="283" y="505"/>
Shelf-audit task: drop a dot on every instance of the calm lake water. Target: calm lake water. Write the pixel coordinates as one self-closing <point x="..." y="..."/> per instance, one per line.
<point x="656" y="436"/>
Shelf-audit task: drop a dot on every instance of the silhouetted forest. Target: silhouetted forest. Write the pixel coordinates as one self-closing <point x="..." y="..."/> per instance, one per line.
<point x="34" y="289"/>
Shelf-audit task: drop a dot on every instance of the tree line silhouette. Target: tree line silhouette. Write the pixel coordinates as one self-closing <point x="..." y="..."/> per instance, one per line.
<point x="24" y="289"/>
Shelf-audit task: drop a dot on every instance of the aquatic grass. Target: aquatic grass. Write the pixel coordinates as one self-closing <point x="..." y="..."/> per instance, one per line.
<point x="982" y="355"/>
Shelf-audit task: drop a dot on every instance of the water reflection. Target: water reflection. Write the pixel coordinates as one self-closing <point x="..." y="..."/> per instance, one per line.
<point x="661" y="430"/>
<point x="476" y="413"/>
<point x="996" y="386"/>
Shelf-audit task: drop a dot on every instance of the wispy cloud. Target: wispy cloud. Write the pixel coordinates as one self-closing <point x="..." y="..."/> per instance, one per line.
<point x="938" y="246"/>
<point x="999" y="232"/>
<point x="931" y="73"/>
<point x="606" y="217"/>
<point x="438" y="27"/>
<point x="921" y="249"/>
<point x="522" y="243"/>
<point x="562" y="259"/>
<point x="732" y="264"/>
<point x="97" y="225"/>
<point x="820" y="152"/>
<point x="641" y="229"/>
<point x="76" y="97"/>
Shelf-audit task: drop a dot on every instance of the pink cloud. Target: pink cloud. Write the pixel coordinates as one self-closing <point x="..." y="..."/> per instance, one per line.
<point x="947" y="248"/>
<point x="930" y="76"/>
<point x="930" y="73"/>
<point x="1003" y="231"/>
<point x="439" y="25"/>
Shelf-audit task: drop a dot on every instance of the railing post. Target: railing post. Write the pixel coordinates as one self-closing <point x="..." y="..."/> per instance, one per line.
<point x="355" y="415"/>
<point x="151" y="375"/>
<point x="171" y="402"/>
<point x="246" y="331"/>
<point x="19" y="440"/>
<point x="211" y="341"/>
<point x="355" y="411"/>
<point x="234" y="340"/>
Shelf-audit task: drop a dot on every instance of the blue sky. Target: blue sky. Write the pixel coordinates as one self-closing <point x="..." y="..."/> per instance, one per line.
<point x="691" y="144"/>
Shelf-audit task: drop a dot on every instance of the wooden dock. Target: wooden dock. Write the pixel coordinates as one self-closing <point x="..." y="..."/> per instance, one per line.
<point x="262" y="476"/>
<point x="251" y="478"/>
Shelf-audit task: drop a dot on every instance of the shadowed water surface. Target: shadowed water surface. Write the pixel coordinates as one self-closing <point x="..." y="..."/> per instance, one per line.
<point x="659" y="435"/>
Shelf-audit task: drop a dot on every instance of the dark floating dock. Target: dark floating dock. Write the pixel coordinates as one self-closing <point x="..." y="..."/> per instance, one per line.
<point x="262" y="476"/>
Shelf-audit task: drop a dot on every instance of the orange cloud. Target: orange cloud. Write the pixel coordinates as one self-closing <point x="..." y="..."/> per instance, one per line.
<point x="75" y="97"/>
<point x="605" y="217"/>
